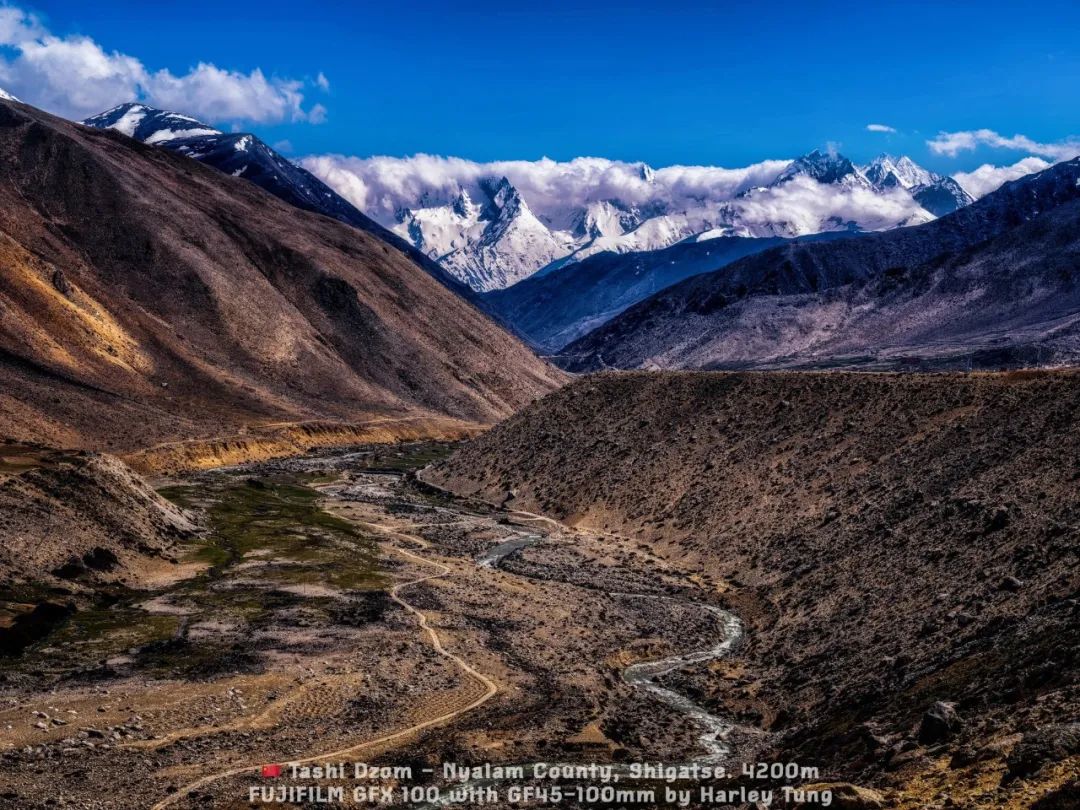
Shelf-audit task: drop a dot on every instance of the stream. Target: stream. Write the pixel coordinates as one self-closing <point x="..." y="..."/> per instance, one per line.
<point x="644" y="675"/>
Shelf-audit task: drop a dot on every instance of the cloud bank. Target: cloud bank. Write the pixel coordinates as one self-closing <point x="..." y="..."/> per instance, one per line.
<point x="75" y="77"/>
<point x="806" y="206"/>
<point x="381" y="186"/>
<point x="688" y="199"/>
<point x="952" y="143"/>
<point x="981" y="181"/>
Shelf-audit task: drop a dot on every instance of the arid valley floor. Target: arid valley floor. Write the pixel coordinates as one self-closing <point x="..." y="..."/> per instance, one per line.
<point x="286" y="644"/>
<point x="734" y="569"/>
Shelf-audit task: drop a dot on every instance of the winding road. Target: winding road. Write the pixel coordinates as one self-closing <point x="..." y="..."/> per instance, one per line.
<point x="490" y="687"/>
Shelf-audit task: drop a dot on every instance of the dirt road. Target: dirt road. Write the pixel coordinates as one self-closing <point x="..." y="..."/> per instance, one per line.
<point x="490" y="688"/>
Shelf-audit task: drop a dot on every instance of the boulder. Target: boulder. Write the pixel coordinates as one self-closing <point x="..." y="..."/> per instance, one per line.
<point x="60" y="282"/>
<point x="939" y="724"/>
<point x="997" y="520"/>
<point x="1036" y="748"/>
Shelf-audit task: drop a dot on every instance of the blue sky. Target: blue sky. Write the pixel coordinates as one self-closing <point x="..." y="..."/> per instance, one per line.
<point x="664" y="82"/>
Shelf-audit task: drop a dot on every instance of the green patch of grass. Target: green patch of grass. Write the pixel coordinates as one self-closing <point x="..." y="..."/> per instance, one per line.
<point x="94" y="635"/>
<point x="183" y="495"/>
<point x="279" y="514"/>
<point x="279" y="517"/>
<point x="208" y="552"/>
<point x="405" y="458"/>
<point x="119" y="626"/>
<point x="287" y="520"/>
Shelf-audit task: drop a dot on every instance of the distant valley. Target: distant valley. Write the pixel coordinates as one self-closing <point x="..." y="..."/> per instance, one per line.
<point x="991" y="285"/>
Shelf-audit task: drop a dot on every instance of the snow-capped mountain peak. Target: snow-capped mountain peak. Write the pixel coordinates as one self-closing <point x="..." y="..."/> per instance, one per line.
<point x="505" y="200"/>
<point x="885" y="171"/>
<point x="493" y="224"/>
<point x="486" y="234"/>
<point x="150" y="125"/>
<point x="6" y="96"/>
<point x="488" y="244"/>
<point x="464" y="207"/>
<point x="829" y="167"/>
<point x="605" y="218"/>
<point x="936" y="193"/>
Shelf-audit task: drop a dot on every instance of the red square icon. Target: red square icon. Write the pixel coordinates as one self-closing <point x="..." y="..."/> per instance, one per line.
<point x="271" y="771"/>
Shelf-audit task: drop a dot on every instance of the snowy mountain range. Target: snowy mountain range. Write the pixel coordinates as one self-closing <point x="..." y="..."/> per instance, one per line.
<point x="242" y="154"/>
<point x="489" y="243"/>
<point x="487" y="234"/>
<point x="990" y="285"/>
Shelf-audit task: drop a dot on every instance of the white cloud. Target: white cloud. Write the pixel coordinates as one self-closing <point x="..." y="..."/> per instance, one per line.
<point x="880" y="128"/>
<point x="17" y="25"/>
<point x="381" y="186"/>
<point x="803" y="205"/>
<point x="210" y="92"/>
<point x="322" y="82"/>
<point x="75" y="77"/>
<point x="987" y="178"/>
<point x="952" y="143"/>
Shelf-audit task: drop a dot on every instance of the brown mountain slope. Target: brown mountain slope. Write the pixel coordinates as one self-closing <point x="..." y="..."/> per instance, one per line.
<point x="145" y="298"/>
<point x="112" y="520"/>
<point x="889" y="540"/>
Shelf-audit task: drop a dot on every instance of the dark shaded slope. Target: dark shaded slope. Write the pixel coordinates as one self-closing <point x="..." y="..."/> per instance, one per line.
<point x="555" y="308"/>
<point x="146" y="297"/>
<point x="245" y="155"/>
<point x="997" y="274"/>
<point x="943" y="197"/>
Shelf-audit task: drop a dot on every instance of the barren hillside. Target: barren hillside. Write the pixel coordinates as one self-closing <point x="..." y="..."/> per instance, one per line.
<point x="79" y="517"/>
<point x="891" y="540"/>
<point x="147" y="298"/>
